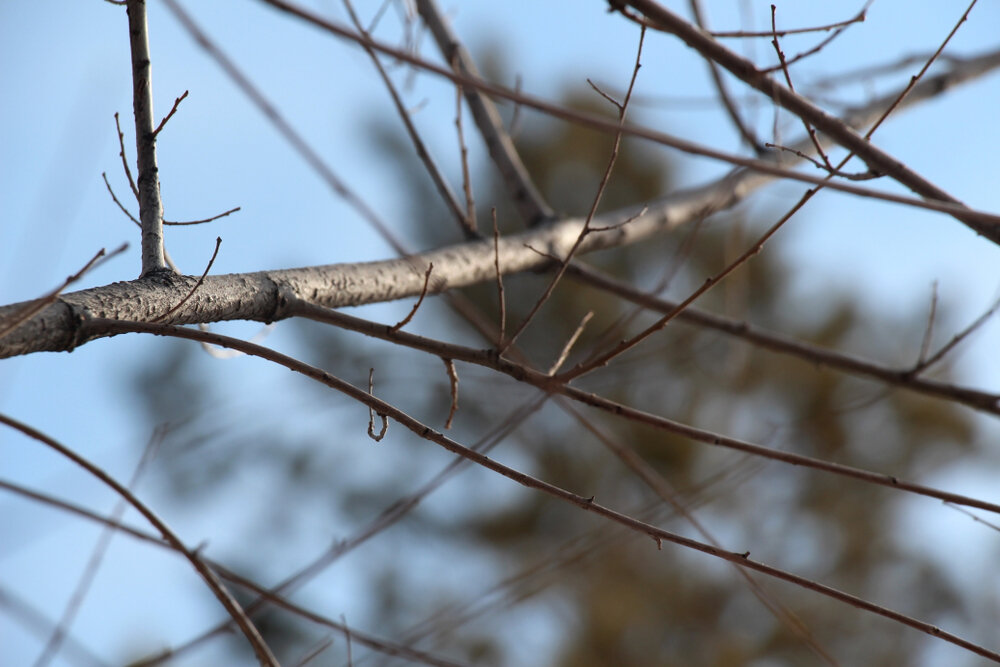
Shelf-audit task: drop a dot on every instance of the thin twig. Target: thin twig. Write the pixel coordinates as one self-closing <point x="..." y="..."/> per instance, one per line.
<point x="914" y="79"/>
<point x="788" y="79"/>
<point x="463" y="152"/>
<point x="423" y="292"/>
<point x="561" y="359"/>
<point x="394" y="512"/>
<point x="925" y="344"/>
<point x="724" y="34"/>
<point x="956" y="339"/>
<point x="819" y="47"/>
<point x="501" y="298"/>
<point x="297" y="142"/>
<point x="173" y="110"/>
<point x="585" y="230"/>
<point x="720" y="87"/>
<point x="125" y="167"/>
<point x="115" y="199"/>
<point x="985" y="223"/>
<point x="665" y="491"/>
<point x="602" y="359"/>
<point x="522" y="190"/>
<point x="556" y="385"/>
<point x="371" y="411"/>
<point x="36" y="306"/>
<point x="582" y="502"/>
<point x="100" y="549"/>
<point x="215" y="253"/>
<point x="781" y="344"/>
<point x="877" y="160"/>
<point x="449" y="366"/>
<point x="203" y="220"/>
<point x="450" y="200"/>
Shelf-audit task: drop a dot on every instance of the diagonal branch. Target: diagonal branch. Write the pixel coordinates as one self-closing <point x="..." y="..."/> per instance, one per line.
<point x="232" y="607"/>
<point x="877" y="160"/>
<point x="589" y="504"/>
<point x="522" y="190"/>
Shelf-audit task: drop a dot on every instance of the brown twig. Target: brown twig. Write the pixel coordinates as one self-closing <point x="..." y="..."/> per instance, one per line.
<point x="561" y="359"/>
<point x="297" y="142"/>
<point x="788" y="79"/>
<point x="602" y="359"/>
<point x="371" y="411"/>
<point x="173" y="110"/>
<point x="232" y="607"/>
<point x="203" y="220"/>
<point x="819" y="47"/>
<point x="925" y="344"/>
<point x="665" y="491"/>
<point x="218" y="242"/>
<point x="775" y="342"/>
<point x="115" y="199"/>
<point x="394" y="512"/>
<point x="914" y="79"/>
<point x="413" y="311"/>
<point x="463" y="153"/>
<point x="585" y="230"/>
<point x="449" y="366"/>
<point x="36" y="306"/>
<point x="556" y="385"/>
<point x="125" y="167"/>
<point x="582" y="502"/>
<point x="501" y="299"/>
<point x="985" y="223"/>
<point x="148" y="181"/>
<point x="923" y="364"/>
<point x="97" y="555"/>
<point x="724" y="34"/>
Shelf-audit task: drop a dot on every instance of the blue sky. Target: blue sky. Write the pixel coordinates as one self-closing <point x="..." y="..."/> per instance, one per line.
<point x="64" y="69"/>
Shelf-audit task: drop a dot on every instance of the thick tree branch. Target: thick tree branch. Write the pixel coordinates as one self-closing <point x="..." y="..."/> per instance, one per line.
<point x="255" y="296"/>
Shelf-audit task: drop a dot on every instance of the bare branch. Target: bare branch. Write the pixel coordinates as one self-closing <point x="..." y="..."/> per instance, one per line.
<point x="586" y="503"/>
<point x="160" y="318"/>
<point x="522" y="190"/>
<point x="232" y="607"/>
<point x="173" y="110"/>
<point x="371" y="412"/>
<point x="776" y="342"/>
<point x="450" y="200"/>
<point x="449" y="366"/>
<point x="32" y="308"/>
<point x="720" y="87"/>
<point x="150" y="205"/>
<point x="877" y="160"/>
<point x="423" y="292"/>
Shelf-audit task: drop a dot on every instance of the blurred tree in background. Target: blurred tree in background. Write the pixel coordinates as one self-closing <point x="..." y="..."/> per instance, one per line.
<point x="488" y="574"/>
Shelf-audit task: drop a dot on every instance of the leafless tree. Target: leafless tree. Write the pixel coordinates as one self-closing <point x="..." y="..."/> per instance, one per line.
<point x="629" y="347"/>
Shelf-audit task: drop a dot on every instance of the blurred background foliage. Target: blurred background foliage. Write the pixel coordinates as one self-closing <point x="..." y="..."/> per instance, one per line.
<point x="488" y="573"/>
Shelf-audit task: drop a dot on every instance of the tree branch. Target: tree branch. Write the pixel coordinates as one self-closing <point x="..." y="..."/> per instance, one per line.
<point x="877" y="160"/>
<point x="150" y="204"/>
